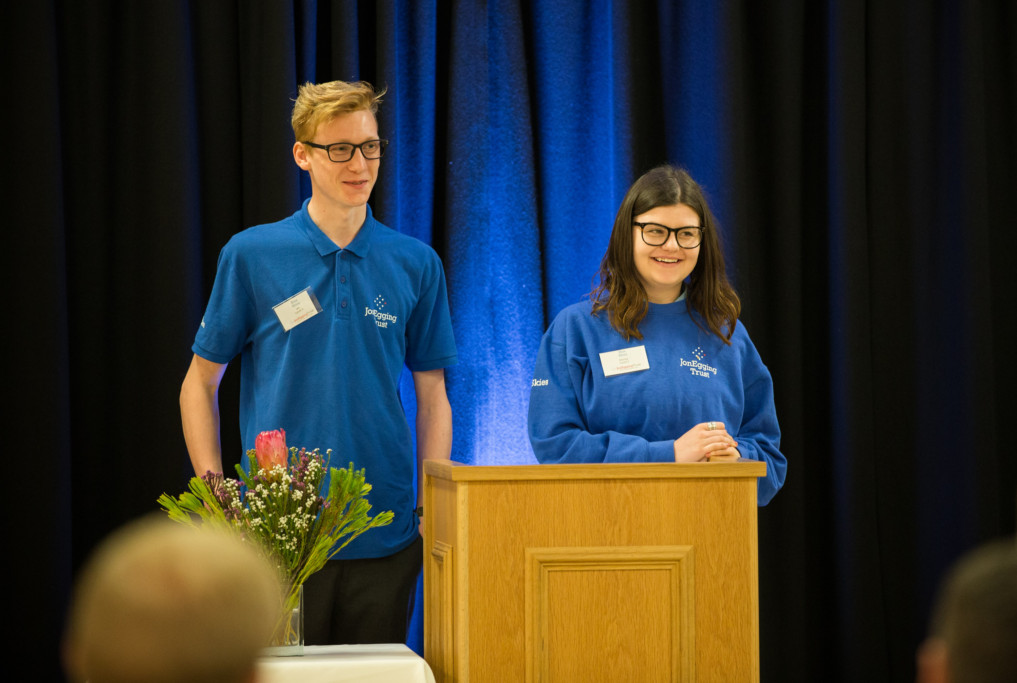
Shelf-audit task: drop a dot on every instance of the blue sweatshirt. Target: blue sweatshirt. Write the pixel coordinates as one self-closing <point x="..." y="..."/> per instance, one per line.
<point x="579" y="414"/>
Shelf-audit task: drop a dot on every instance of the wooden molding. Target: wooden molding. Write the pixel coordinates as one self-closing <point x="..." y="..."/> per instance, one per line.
<point x="631" y="608"/>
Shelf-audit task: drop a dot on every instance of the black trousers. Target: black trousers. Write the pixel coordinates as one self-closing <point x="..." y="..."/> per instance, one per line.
<point x="362" y="601"/>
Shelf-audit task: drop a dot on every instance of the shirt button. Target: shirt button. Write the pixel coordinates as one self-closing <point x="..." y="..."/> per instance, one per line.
<point x="342" y="279"/>
<point x="343" y="304"/>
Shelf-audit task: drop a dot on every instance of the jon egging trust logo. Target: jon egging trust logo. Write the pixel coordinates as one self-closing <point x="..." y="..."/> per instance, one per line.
<point x="381" y="319"/>
<point x="697" y="366"/>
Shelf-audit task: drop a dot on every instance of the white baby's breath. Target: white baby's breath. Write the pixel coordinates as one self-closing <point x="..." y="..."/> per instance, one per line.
<point x="283" y="510"/>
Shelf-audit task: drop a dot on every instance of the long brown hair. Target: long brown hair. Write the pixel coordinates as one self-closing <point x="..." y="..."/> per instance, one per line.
<point x="708" y="292"/>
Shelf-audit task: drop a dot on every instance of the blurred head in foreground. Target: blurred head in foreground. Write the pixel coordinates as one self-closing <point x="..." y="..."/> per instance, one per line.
<point x="973" y="637"/>
<point x="160" y="602"/>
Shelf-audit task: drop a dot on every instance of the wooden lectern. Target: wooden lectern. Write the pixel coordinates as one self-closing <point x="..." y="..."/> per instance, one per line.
<point x="607" y="572"/>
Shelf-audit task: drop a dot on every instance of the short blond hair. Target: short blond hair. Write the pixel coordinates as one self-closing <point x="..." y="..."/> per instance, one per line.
<point x="161" y="602"/>
<point x="319" y="103"/>
<point x="975" y="616"/>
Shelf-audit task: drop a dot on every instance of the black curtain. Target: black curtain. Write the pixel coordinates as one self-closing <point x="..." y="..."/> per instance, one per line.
<point x="860" y="156"/>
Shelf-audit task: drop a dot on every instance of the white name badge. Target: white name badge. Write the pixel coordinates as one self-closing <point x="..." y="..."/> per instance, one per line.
<point x="624" y="360"/>
<point x="300" y="307"/>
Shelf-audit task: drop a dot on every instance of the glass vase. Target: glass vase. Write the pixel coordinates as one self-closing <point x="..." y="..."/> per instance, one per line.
<point x="288" y="639"/>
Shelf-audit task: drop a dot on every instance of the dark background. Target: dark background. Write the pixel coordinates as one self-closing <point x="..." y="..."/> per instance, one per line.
<point x="859" y="155"/>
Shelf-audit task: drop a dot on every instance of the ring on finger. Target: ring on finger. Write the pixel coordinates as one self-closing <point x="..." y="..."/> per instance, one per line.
<point x="711" y="425"/>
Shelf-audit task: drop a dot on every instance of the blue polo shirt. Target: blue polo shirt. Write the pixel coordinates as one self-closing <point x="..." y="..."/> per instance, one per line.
<point x="332" y="380"/>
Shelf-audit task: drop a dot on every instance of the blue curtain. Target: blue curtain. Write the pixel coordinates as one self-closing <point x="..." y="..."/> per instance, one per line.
<point x="860" y="158"/>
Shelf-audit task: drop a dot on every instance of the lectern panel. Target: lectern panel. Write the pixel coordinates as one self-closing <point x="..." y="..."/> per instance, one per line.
<point x="629" y="611"/>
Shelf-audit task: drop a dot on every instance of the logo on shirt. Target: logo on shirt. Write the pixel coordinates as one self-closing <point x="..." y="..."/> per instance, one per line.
<point x="381" y="319"/>
<point x="538" y="383"/>
<point x="697" y="367"/>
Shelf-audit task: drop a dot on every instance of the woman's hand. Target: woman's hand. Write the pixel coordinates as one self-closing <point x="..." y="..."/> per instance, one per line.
<point x="708" y="441"/>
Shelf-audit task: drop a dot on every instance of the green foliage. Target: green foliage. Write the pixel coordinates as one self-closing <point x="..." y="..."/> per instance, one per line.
<point x="284" y="511"/>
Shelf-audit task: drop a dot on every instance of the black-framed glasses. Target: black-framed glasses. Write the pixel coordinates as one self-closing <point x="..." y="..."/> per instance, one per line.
<point x="344" y="151"/>
<point x="656" y="235"/>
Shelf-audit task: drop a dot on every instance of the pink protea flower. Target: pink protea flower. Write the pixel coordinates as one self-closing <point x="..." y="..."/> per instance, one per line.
<point x="270" y="449"/>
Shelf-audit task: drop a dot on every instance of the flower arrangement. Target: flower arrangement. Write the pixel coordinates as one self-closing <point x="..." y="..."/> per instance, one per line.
<point x="280" y="505"/>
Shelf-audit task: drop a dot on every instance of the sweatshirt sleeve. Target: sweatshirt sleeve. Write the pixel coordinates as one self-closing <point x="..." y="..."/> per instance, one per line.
<point x="758" y="435"/>
<point x="557" y="423"/>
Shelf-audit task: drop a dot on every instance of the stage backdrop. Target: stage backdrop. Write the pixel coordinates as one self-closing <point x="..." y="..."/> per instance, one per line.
<point x="859" y="155"/>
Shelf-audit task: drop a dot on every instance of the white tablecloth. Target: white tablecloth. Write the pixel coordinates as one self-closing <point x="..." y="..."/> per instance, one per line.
<point x="387" y="663"/>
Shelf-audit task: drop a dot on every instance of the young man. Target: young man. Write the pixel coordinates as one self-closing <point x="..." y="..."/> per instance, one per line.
<point x="325" y="307"/>
<point x="974" y="623"/>
<point x="158" y="601"/>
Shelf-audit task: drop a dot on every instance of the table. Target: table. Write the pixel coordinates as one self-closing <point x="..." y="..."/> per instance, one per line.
<point x="383" y="663"/>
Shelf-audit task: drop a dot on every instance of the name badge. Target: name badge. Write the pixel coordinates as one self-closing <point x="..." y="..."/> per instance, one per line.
<point x="624" y="360"/>
<point x="300" y="307"/>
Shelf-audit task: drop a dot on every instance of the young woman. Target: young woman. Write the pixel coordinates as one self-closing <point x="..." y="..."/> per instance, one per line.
<point x="655" y="367"/>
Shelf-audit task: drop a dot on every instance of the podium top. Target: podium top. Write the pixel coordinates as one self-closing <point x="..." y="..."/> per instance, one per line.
<point x="457" y="471"/>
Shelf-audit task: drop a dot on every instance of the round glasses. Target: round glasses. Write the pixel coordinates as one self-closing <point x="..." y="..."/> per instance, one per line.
<point x="656" y="235"/>
<point x="343" y="151"/>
